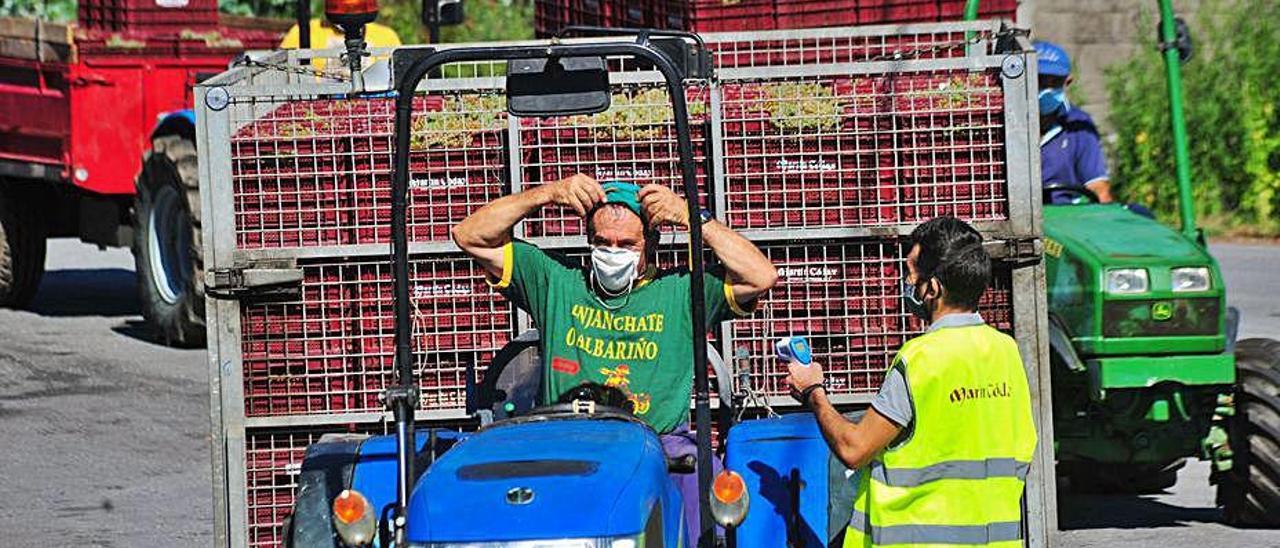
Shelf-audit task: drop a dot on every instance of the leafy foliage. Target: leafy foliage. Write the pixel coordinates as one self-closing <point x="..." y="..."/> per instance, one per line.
<point x="636" y="114"/>
<point x="1233" y="119"/>
<point x="458" y="122"/>
<point x="54" y="11"/>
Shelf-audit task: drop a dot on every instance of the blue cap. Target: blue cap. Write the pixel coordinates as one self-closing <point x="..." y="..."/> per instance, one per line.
<point x="1053" y="60"/>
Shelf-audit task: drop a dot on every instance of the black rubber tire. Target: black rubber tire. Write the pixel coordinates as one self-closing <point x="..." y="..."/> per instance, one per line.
<point x="22" y="251"/>
<point x="1250" y="492"/>
<point x="168" y="195"/>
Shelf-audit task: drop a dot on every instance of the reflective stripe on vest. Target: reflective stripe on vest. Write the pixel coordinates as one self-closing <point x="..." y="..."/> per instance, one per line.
<point x="955" y="469"/>
<point x="937" y="534"/>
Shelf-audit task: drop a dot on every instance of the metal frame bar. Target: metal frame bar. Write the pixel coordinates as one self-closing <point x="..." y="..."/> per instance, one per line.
<point x="247" y="86"/>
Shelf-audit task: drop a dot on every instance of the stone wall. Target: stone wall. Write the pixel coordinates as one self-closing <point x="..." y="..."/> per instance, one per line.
<point x="1095" y="33"/>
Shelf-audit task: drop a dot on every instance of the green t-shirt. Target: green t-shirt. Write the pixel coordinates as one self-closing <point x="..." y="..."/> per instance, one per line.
<point x="642" y="347"/>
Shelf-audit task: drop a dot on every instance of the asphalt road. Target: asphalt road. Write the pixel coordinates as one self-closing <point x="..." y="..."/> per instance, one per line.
<point x="105" y="433"/>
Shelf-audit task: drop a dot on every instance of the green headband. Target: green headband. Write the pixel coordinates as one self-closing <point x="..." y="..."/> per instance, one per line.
<point x="626" y="194"/>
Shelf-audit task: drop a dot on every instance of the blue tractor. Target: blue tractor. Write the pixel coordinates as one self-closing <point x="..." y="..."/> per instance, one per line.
<point x="582" y="472"/>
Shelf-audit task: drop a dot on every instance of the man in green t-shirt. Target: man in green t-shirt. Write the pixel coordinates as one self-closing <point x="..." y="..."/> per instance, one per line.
<point x="620" y="322"/>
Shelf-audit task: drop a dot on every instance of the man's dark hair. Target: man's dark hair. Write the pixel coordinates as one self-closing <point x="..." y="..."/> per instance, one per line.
<point x="951" y="251"/>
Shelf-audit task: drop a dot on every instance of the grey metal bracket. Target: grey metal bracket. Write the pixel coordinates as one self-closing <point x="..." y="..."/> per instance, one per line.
<point x="1018" y="251"/>
<point x="277" y="278"/>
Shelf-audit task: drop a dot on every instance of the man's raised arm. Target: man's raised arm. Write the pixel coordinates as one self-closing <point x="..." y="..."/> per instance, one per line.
<point x="483" y="234"/>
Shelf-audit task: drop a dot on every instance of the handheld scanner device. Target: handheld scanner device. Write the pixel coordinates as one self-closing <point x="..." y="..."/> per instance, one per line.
<point x="793" y="348"/>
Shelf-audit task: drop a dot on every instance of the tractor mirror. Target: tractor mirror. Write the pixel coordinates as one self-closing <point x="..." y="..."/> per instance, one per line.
<point x="441" y="12"/>
<point x="559" y="86"/>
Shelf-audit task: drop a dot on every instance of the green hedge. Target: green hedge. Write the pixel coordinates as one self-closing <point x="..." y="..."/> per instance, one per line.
<point x="1232" y="89"/>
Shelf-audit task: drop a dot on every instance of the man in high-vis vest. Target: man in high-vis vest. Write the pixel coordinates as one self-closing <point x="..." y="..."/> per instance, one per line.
<point x="944" y="450"/>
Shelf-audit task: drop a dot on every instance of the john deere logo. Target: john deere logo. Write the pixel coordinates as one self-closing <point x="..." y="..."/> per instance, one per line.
<point x="1162" y="311"/>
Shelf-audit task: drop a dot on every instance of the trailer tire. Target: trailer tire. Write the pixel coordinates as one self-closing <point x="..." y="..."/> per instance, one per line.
<point x="22" y="251"/>
<point x="1250" y="491"/>
<point x="167" y="242"/>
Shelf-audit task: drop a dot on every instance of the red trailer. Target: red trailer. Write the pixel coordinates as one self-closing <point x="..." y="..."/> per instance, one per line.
<point x="97" y="141"/>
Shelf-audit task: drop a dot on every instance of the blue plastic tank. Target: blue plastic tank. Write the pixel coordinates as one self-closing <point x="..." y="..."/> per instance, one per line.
<point x="796" y="487"/>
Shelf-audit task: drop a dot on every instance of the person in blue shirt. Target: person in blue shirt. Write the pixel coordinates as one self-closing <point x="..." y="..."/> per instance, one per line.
<point x="1070" y="149"/>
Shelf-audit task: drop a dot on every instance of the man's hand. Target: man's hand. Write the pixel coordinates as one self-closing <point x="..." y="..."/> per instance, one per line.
<point x="663" y="207"/>
<point x="801" y="376"/>
<point x="579" y="192"/>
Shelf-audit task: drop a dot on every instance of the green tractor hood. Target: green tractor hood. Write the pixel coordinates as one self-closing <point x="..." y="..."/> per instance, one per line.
<point x="1083" y="242"/>
<point x="1114" y="236"/>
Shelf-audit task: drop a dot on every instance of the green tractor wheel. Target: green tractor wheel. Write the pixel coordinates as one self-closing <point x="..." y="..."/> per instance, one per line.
<point x="1250" y="491"/>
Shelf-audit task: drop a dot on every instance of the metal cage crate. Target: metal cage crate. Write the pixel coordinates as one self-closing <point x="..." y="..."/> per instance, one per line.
<point x="297" y="177"/>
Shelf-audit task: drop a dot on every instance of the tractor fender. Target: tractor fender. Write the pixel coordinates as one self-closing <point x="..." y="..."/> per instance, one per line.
<point x="1060" y="346"/>
<point x="177" y="122"/>
<point x="353" y="461"/>
<point x="326" y="472"/>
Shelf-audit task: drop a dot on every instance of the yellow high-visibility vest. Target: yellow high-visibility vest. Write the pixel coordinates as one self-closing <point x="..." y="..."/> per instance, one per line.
<point x="958" y="479"/>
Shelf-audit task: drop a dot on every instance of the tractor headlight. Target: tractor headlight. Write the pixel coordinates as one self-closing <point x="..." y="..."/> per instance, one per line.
<point x="1191" y="279"/>
<point x="1127" y="281"/>
<point x="615" y="542"/>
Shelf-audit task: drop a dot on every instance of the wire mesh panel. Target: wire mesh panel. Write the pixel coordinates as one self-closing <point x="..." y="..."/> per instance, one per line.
<point x="806" y="146"/>
<point x="846" y="298"/>
<point x="331" y="350"/>
<point x="807" y="153"/>
<point x="308" y="172"/>
<point x="634" y="141"/>
<point x="949" y="145"/>
<point x="864" y="151"/>
<point x="826" y="46"/>
<point x="273" y="459"/>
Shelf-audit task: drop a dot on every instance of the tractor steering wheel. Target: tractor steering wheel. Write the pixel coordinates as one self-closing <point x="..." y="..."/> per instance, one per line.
<point x="585" y="401"/>
<point x="1079" y="190"/>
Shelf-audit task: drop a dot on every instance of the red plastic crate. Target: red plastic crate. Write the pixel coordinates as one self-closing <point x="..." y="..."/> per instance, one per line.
<point x="331" y="349"/>
<point x="874" y="12"/>
<point x="807" y="153"/>
<point x="627" y="147"/>
<point x="803" y="14"/>
<point x="273" y="459"/>
<point x="948" y="151"/>
<point x="142" y="16"/>
<point x="319" y="172"/>
<point x="713" y="15"/>
<point x="846" y="298"/>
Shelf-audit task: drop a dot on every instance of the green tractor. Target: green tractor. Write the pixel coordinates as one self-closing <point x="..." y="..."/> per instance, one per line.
<point x="1146" y="370"/>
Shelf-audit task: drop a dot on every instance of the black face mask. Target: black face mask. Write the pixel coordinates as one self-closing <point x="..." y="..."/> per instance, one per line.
<point x="915" y="305"/>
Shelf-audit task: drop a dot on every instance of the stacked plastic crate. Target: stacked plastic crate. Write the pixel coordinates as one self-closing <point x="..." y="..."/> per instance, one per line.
<point x="829" y="160"/>
<point x="753" y="15"/>
<point x="304" y="180"/>
<point x="824" y="146"/>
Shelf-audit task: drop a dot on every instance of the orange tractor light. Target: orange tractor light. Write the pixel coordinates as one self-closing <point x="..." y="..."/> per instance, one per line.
<point x="350" y="7"/>
<point x="729" y="499"/>
<point x="353" y="518"/>
<point x="350" y="506"/>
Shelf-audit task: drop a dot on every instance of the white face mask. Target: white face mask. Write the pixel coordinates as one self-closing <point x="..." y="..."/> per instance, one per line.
<point x="615" y="268"/>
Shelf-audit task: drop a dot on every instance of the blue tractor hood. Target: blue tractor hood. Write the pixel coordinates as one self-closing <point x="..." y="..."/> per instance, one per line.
<point x="568" y="478"/>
